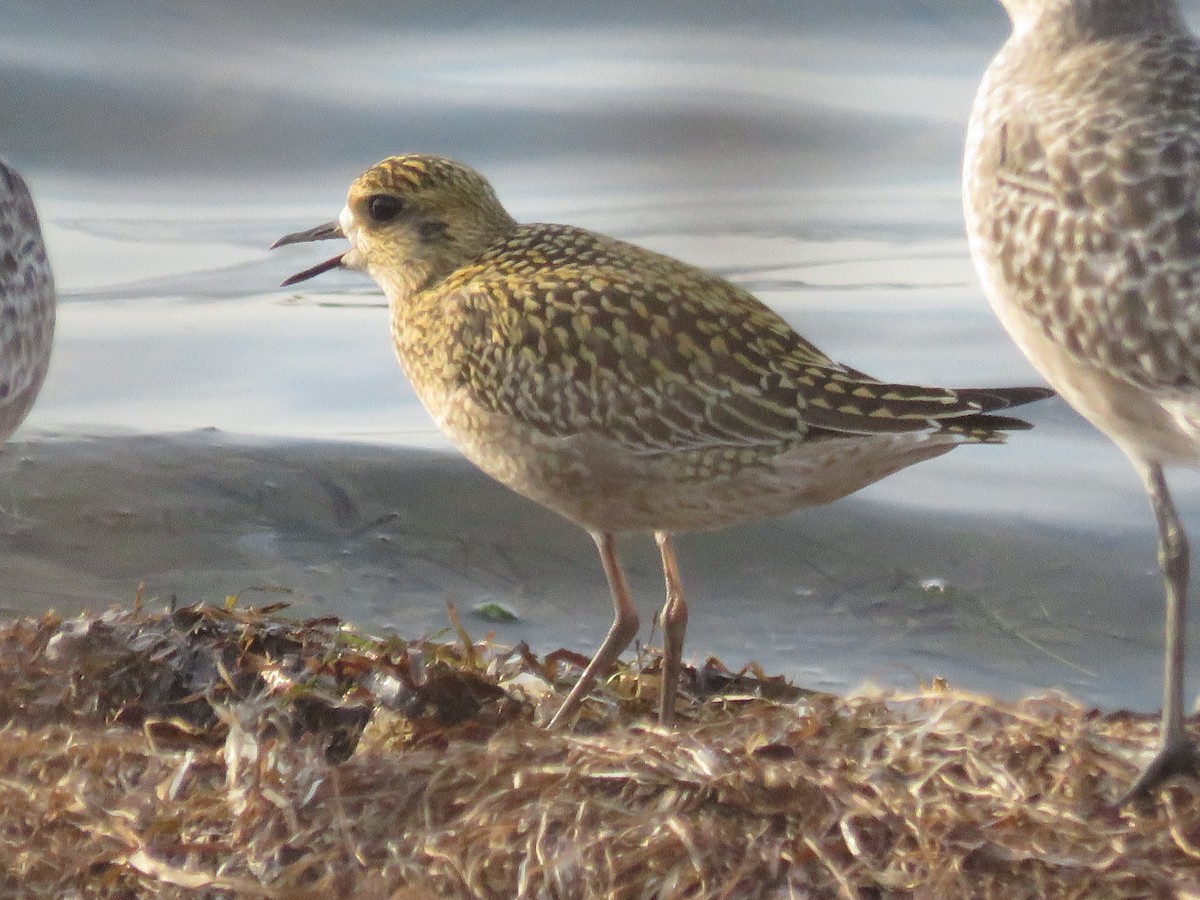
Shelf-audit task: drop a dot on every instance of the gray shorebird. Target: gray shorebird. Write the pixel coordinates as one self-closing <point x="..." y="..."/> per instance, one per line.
<point x="623" y="389"/>
<point x="1082" y="198"/>
<point x="26" y="302"/>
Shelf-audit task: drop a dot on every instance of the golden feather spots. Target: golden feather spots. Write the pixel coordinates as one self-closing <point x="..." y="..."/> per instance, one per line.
<point x="660" y="328"/>
<point x="660" y="369"/>
<point x="743" y="360"/>
<point x="562" y="370"/>
<point x="687" y="347"/>
<point x="834" y="388"/>
<point x="600" y="339"/>
<point x="865" y="392"/>
<point x="641" y="346"/>
<point x="881" y="412"/>
<point x="599" y="285"/>
<point x="850" y="409"/>
<point x="819" y="402"/>
<point x="718" y="345"/>
<point x="639" y="307"/>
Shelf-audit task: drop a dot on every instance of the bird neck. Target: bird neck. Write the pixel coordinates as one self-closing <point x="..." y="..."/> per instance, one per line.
<point x="448" y="249"/>
<point x="1071" y="22"/>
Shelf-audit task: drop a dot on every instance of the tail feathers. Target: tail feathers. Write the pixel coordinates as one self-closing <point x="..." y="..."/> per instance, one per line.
<point x="988" y="429"/>
<point x="984" y="428"/>
<point x="988" y="399"/>
<point x="877" y="407"/>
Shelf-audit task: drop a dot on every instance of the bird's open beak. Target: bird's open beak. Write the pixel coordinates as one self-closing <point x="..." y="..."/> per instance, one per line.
<point x="326" y="232"/>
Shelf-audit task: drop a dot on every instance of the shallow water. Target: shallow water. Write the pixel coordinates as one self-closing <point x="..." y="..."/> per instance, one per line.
<point x="807" y="150"/>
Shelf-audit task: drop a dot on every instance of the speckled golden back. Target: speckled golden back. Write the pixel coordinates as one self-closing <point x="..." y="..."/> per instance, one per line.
<point x="569" y="331"/>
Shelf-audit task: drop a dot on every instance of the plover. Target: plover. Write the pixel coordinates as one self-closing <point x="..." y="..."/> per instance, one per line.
<point x="1082" y="197"/>
<point x="623" y="389"/>
<point x="27" y="302"/>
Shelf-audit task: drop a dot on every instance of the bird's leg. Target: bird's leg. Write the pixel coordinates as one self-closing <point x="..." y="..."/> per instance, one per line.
<point x="673" y="620"/>
<point x="1176" y="753"/>
<point x="624" y="627"/>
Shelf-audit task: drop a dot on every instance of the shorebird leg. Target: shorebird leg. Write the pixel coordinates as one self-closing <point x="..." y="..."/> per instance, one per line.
<point x="1176" y="753"/>
<point x="624" y="627"/>
<point x="673" y="620"/>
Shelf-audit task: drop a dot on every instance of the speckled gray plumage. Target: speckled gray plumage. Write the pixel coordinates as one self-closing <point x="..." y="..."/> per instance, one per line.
<point x="1083" y="171"/>
<point x="27" y="302"/>
<point x="1082" y="201"/>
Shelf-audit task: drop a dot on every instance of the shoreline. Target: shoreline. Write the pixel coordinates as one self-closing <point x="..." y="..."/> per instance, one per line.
<point x="234" y="751"/>
<point x="831" y="597"/>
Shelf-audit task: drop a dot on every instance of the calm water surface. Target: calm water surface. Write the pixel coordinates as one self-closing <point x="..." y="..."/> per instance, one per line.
<point x="807" y="150"/>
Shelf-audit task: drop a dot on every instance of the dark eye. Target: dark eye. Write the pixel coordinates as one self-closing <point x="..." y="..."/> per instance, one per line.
<point x="384" y="207"/>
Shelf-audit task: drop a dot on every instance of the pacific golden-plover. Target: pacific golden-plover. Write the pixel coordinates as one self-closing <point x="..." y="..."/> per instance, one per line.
<point x="26" y="302"/>
<point x="623" y="389"/>
<point x="1082" y="197"/>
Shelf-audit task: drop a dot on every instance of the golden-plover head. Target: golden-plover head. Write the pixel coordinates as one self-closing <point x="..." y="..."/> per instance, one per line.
<point x="410" y="221"/>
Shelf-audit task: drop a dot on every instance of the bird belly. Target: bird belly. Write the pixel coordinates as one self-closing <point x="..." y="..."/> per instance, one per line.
<point x="1145" y="425"/>
<point x="605" y="486"/>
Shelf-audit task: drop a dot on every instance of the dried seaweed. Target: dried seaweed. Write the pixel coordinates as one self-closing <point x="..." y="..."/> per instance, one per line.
<point x="226" y="752"/>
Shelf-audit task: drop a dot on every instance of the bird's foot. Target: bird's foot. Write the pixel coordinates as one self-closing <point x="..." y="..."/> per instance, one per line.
<point x="1180" y="757"/>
